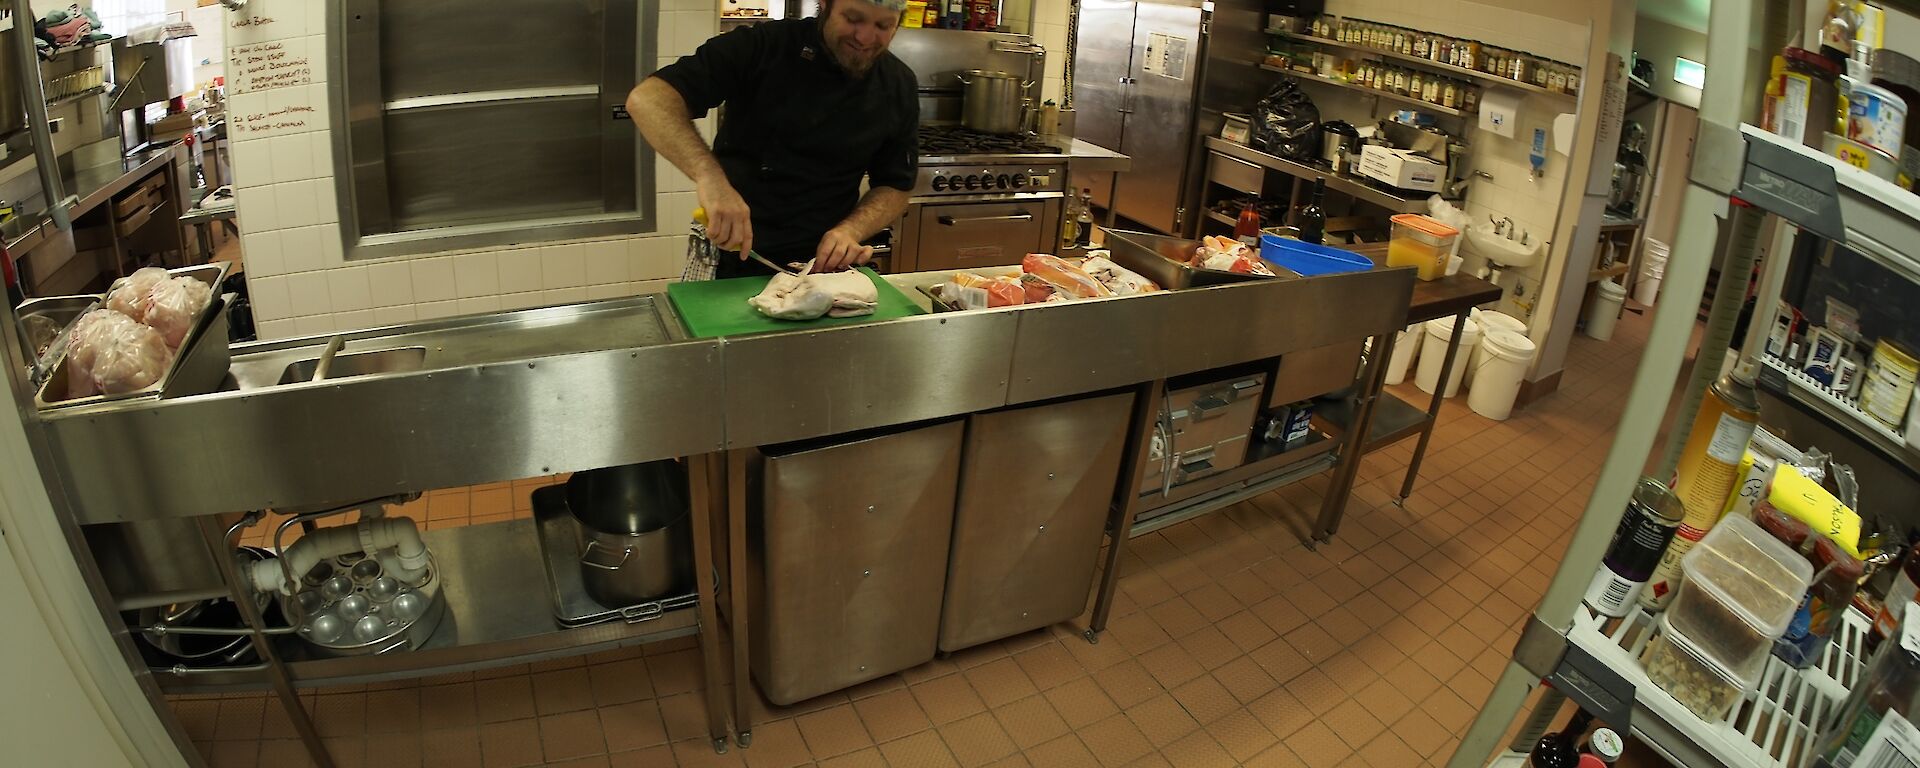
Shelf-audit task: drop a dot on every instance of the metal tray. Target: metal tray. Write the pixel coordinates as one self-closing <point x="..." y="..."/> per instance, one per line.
<point x="43" y="327"/>
<point x="560" y="543"/>
<point x="198" y="368"/>
<point x="1163" y="260"/>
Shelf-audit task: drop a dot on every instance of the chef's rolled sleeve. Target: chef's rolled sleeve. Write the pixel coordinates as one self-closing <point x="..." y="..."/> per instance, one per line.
<point x="720" y="69"/>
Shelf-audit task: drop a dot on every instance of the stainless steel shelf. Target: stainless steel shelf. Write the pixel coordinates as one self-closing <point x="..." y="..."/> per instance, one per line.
<point x="1428" y="64"/>
<point x="498" y="612"/>
<point x="1388" y="95"/>
<point x="1345" y="185"/>
<point x="1780" y="378"/>
<point x="1222" y="218"/>
<point x="1882" y="220"/>
<point x="1394" y="419"/>
<point x="1265" y="470"/>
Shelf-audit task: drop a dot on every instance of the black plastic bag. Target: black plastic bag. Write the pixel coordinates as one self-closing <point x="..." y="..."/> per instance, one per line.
<point x="1286" y="123"/>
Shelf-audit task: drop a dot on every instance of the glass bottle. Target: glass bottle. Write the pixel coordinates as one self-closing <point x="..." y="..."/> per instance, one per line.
<point x="1085" y="219"/>
<point x="1247" y="228"/>
<point x="1556" y="750"/>
<point x="1313" y="220"/>
<point x="1069" y="225"/>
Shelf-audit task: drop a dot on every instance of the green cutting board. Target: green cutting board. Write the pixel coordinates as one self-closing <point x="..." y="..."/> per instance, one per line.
<point x="719" y="307"/>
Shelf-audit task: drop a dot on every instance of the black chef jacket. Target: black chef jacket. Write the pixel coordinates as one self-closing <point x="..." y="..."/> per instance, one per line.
<point x="798" y="132"/>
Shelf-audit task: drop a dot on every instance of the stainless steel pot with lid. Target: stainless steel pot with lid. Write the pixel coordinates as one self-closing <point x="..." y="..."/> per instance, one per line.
<point x="637" y="543"/>
<point x="995" y="102"/>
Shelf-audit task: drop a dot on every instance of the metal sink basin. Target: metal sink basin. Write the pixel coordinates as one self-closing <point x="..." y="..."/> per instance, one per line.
<point x="348" y="365"/>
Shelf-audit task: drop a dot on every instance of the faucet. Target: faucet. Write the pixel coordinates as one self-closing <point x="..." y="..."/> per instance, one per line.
<point x="1504" y="226"/>
<point x="1459" y="186"/>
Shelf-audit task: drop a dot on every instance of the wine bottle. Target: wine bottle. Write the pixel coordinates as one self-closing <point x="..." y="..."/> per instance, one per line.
<point x="1313" y="220"/>
<point x="1085" y="219"/>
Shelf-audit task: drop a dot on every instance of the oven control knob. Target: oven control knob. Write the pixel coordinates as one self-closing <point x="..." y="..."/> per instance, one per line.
<point x="939" y="183"/>
<point x="1003" y="182"/>
<point x="1018" y="181"/>
<point x="973" y="181"/>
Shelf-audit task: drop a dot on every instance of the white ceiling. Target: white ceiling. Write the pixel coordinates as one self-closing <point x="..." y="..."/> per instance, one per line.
<point x="1686" y="14"/>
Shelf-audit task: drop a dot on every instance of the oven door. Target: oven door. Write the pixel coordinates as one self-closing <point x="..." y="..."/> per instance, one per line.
<point x="983" y="234"/>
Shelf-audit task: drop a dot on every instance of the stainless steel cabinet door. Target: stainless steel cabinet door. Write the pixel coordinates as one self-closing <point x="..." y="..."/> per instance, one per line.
<point x="847" y="555"/>
<point x="1102" y="55"/>
<point x="1035" y="487"/>
<point x="1163" y="74"/>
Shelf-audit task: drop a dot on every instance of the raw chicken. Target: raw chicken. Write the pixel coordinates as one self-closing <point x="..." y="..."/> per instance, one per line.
<point x="853" y="292"/>
<point x="111" y="354"/>
<point x="808" y="296"/>
<point x="1226" y="255"/>
<point x="129" y="296"/>
<point x="1119" y="279"/>
<point x="172" y="306"/>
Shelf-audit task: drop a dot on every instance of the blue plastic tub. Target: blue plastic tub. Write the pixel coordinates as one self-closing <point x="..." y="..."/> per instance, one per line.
<point x="1308" y="260"/>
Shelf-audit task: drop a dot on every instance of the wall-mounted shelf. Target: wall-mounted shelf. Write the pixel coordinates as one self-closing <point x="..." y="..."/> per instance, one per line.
<point x="1340" y="183"/>
<point x="1427" y="64"/>
<point x="1423" y="104"/>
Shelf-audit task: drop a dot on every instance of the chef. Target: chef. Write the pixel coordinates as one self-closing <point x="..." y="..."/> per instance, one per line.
<point x="812" y="106"/>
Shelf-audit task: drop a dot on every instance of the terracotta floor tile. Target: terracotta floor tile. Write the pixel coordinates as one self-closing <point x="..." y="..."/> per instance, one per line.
<point x="293" y="754"/>
<point x="1317" y="746"/>
<point x="1128" y="683"/>
<point x="1064" y="752"/>
<point x="1449" y="710"/>
<point x="1351" y="671"/>
<point x="977" y="740"/>
<point x="1081" y="702"/>
<point x="685" y="716"/>
<point x="676" y="672"/>
<point x="1115" y="741"/>
<point x="1151" y="760"/>
<point x="1176" y="617"/>
<point x="395" y="711"/>
<point x="571" y="735"/>
<point x="341" y="714"/>
<point x="1171" y="665"/>
<point x="1281" y="713"/>
<point x="502" y="699"/>
<point x="509" y="744"/>
<point x="1385" y="700"/>
<point x="1205" y="699"/>
<point x="450" y="748"/>
<point x="1198" y="749"/>
<point x="633" y="725"/>
<point x="1030" y="721"/>
<point x="642" y="758"/>
<point x="892" y="715"/>
<point x="777" y="745"/>
<point x="1281" y="660"/>
<point x="1421" y="732"/>
<point x="1049" y="665"/>
<point x="946" y="699"/>
<point x="1000" y="681"/>
<point x="1277" y="756"/>
<point x="1210" y="647"/>
<point x="698" y="753"/>
<point x="1353" y="723"/>
<point x="833" y="732"/>
<point x="619" y="682"/>
<point x="1162" y="720"/>
<point x="921" y="750"/>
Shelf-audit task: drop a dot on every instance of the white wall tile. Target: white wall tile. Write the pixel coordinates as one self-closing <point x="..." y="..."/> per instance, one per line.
<point x="520" y="270"/>
<point x="607" y="291"/>
<point x="256" y="210"/>
<point x="476" y="274"/>
<point x="303" y="249"/>
<point x="676" y="212"/>
<point x="607" y="262"/>
<point x="269" y="296"/>
<point x="653" y="286"/>
<point x="263" y="255"/>
<point x="350" y="289"/>
<point x="479" y="305"/>
<point x="563" y="266"/>
<point x="252" y="163"/>
<point x="394" y="315"/>
<point x="308" y="294"/>
<point x="434" y="310"/>
<point x="270" y="330"/>
<point x="332" y="249"/>
<point x="292" y="157"/>
<point x="564" y="295"/>
<point x="297" y="204"/>
<point x="357" y="320"/>
<point x="654" y="258"/>
<point x="391" y="284"/>
<point x="433" y="280"/>
<point x="314" y="325"/>
<point x="667" y="178"/>
<point x="521" y="300"/>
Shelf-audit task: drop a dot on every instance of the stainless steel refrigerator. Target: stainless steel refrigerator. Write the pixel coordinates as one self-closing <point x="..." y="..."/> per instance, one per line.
<point x="1136" y="71"/>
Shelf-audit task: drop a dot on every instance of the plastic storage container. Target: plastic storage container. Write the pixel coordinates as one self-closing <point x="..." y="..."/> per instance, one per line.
<point x="1677" y="665"/>
<point x="1307" y="260"/>
<point x="1421" y="242"/>
<point x="1740" y="588"/>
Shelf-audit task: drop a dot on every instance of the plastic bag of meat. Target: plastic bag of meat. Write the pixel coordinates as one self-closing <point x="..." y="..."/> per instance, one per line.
<point x="111" y="354"/>
<point x="171" y="307"/>
<point x="1000" y="291"/>
<point x="1227" y="255"/>
<point x="1038" y="290"/>
<point x="1119" y="279"/>
<point x="1071" y="280"/>
<point x="129" y="296"/>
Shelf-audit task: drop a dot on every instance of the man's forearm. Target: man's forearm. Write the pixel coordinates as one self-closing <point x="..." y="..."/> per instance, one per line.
<point x="661" y="114"/>
<point x="877" y="210"/>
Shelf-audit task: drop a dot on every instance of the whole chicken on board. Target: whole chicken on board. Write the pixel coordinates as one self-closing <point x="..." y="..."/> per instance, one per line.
<point x="808" y="296"/>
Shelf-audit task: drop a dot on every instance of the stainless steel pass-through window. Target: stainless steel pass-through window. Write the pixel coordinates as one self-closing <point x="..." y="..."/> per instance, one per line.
<point x="474" y="123"/>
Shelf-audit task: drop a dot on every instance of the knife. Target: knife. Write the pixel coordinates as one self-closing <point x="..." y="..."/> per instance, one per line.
<point x="700" y="217"/>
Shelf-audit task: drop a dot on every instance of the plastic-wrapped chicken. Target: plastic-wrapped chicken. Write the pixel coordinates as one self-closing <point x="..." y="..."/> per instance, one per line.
<point x="1071" y="280"/>
<point x="129" y="296"/>
<point x="999" y="291"/>
<point x="172" y="306"/>
<point x="1228" y="255"/>
<point x="1119" y="279"/>
<point x="111" y="354"/>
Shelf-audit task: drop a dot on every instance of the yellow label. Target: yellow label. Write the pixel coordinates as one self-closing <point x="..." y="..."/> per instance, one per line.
<point x="1804" y="499"/>
<point x="1853" y="156"/>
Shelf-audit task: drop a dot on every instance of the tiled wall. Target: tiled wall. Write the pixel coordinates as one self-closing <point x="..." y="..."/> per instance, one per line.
<point x="1532" y="203"/>
<point x="300" y="281"/>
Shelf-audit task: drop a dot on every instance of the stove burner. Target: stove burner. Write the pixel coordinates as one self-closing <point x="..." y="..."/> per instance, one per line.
<point x="955" y="140"/>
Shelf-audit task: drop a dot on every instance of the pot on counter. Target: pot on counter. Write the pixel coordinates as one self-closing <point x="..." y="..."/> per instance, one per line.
<point x="637" y="541"/>
<point x="994" y="102"/>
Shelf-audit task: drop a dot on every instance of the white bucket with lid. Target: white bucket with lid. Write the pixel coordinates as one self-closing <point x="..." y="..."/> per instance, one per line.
<point x="1490" y="320"/>
<point x="1604" y="311"/>
<point x="1433" y="352"/>
<point x="1499" y="367"/>
<point x="1652" y="271"/>
<point x="1406" y="346"/>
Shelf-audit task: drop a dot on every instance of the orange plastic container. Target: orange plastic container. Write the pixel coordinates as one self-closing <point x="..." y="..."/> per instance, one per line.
<point x="1421" y="242"/>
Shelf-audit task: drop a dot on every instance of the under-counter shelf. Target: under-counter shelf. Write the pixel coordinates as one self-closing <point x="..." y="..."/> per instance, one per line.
<point x="1439" y="67"/>
<point x="1384" y="94"/>
<point x="1777" y="376"/>
<point x="1267" y="467"/>
<point x="499" y="612"/>
<point x="1340" y="183"/>
<point x="1394" y="419"/>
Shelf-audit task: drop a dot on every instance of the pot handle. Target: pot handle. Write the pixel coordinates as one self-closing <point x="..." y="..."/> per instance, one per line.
<point x="587" y="558"/>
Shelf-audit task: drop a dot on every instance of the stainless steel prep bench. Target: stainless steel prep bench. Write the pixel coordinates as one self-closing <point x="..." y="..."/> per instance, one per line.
<point x="560" y="389"/>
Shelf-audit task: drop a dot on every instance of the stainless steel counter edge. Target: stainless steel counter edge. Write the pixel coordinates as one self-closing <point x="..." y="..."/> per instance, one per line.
<point x="92" y="198"/>
<point x="1082" y="155"/>
<point x="399" y="432"/>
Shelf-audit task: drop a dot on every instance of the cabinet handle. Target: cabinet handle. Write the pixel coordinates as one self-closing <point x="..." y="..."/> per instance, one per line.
<point x="951" y="221"/>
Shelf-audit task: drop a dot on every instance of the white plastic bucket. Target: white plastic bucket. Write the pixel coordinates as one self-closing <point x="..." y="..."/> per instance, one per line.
<point x="1489" y="321"/>
<point x="1652" y="270"/>
<point x="1604" y="311"/>
<point x="1648" y="289"/>
<point x="1433" y="352"/>
<point x="1500" y="366"/>
<point x="1406" y="346"/>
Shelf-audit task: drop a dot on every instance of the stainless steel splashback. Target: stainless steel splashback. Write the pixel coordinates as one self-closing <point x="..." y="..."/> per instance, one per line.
<point x="937" y="56"/>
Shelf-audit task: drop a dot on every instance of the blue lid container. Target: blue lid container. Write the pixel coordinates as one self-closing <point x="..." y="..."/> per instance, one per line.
<point x="1308" y="260"/>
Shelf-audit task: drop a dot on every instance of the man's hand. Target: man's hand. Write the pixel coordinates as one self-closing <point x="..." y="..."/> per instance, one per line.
<point x="729" y="223"/>
<point x="838" y="250"/>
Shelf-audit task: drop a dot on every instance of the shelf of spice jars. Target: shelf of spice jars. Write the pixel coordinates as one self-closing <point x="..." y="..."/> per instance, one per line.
<point x="1882" y="220"/>
<point x="1782" y="378"/>
<point x="1774" y="724"/>
<point x="1423" y="63"/>
<point x="1423" y="104"/>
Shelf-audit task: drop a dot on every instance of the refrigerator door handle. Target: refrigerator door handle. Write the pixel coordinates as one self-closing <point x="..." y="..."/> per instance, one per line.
<point x="1126" y="95"/>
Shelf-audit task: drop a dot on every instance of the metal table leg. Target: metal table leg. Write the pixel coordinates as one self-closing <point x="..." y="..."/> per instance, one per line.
<point x="737" y="590"/>
<point x="1353" y="445"/>
<point x="1146" y="410"/>
<point x="698" y="469"/>
<point x="1433" y="409"/>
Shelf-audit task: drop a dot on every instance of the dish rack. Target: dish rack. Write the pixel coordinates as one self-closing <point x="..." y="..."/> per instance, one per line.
<point x="1775" y="723"/>
<point x="84" y="82"/>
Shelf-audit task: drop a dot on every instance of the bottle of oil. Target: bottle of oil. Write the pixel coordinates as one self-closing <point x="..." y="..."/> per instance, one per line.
<point x="1709" y="468"/>
<point x="1069" y="226"/>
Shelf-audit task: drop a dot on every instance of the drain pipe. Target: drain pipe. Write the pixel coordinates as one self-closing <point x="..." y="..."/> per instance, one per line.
<point x="399" y="534"/>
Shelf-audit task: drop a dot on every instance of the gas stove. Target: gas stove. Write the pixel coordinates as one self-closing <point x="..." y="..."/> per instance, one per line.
<point x="945" y="140"/>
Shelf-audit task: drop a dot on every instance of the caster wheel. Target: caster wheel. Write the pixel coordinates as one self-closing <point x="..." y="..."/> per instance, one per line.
<point x="720" y="746"/>
<point x="1093" y="638"/>
<point x="745" y="738"/>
